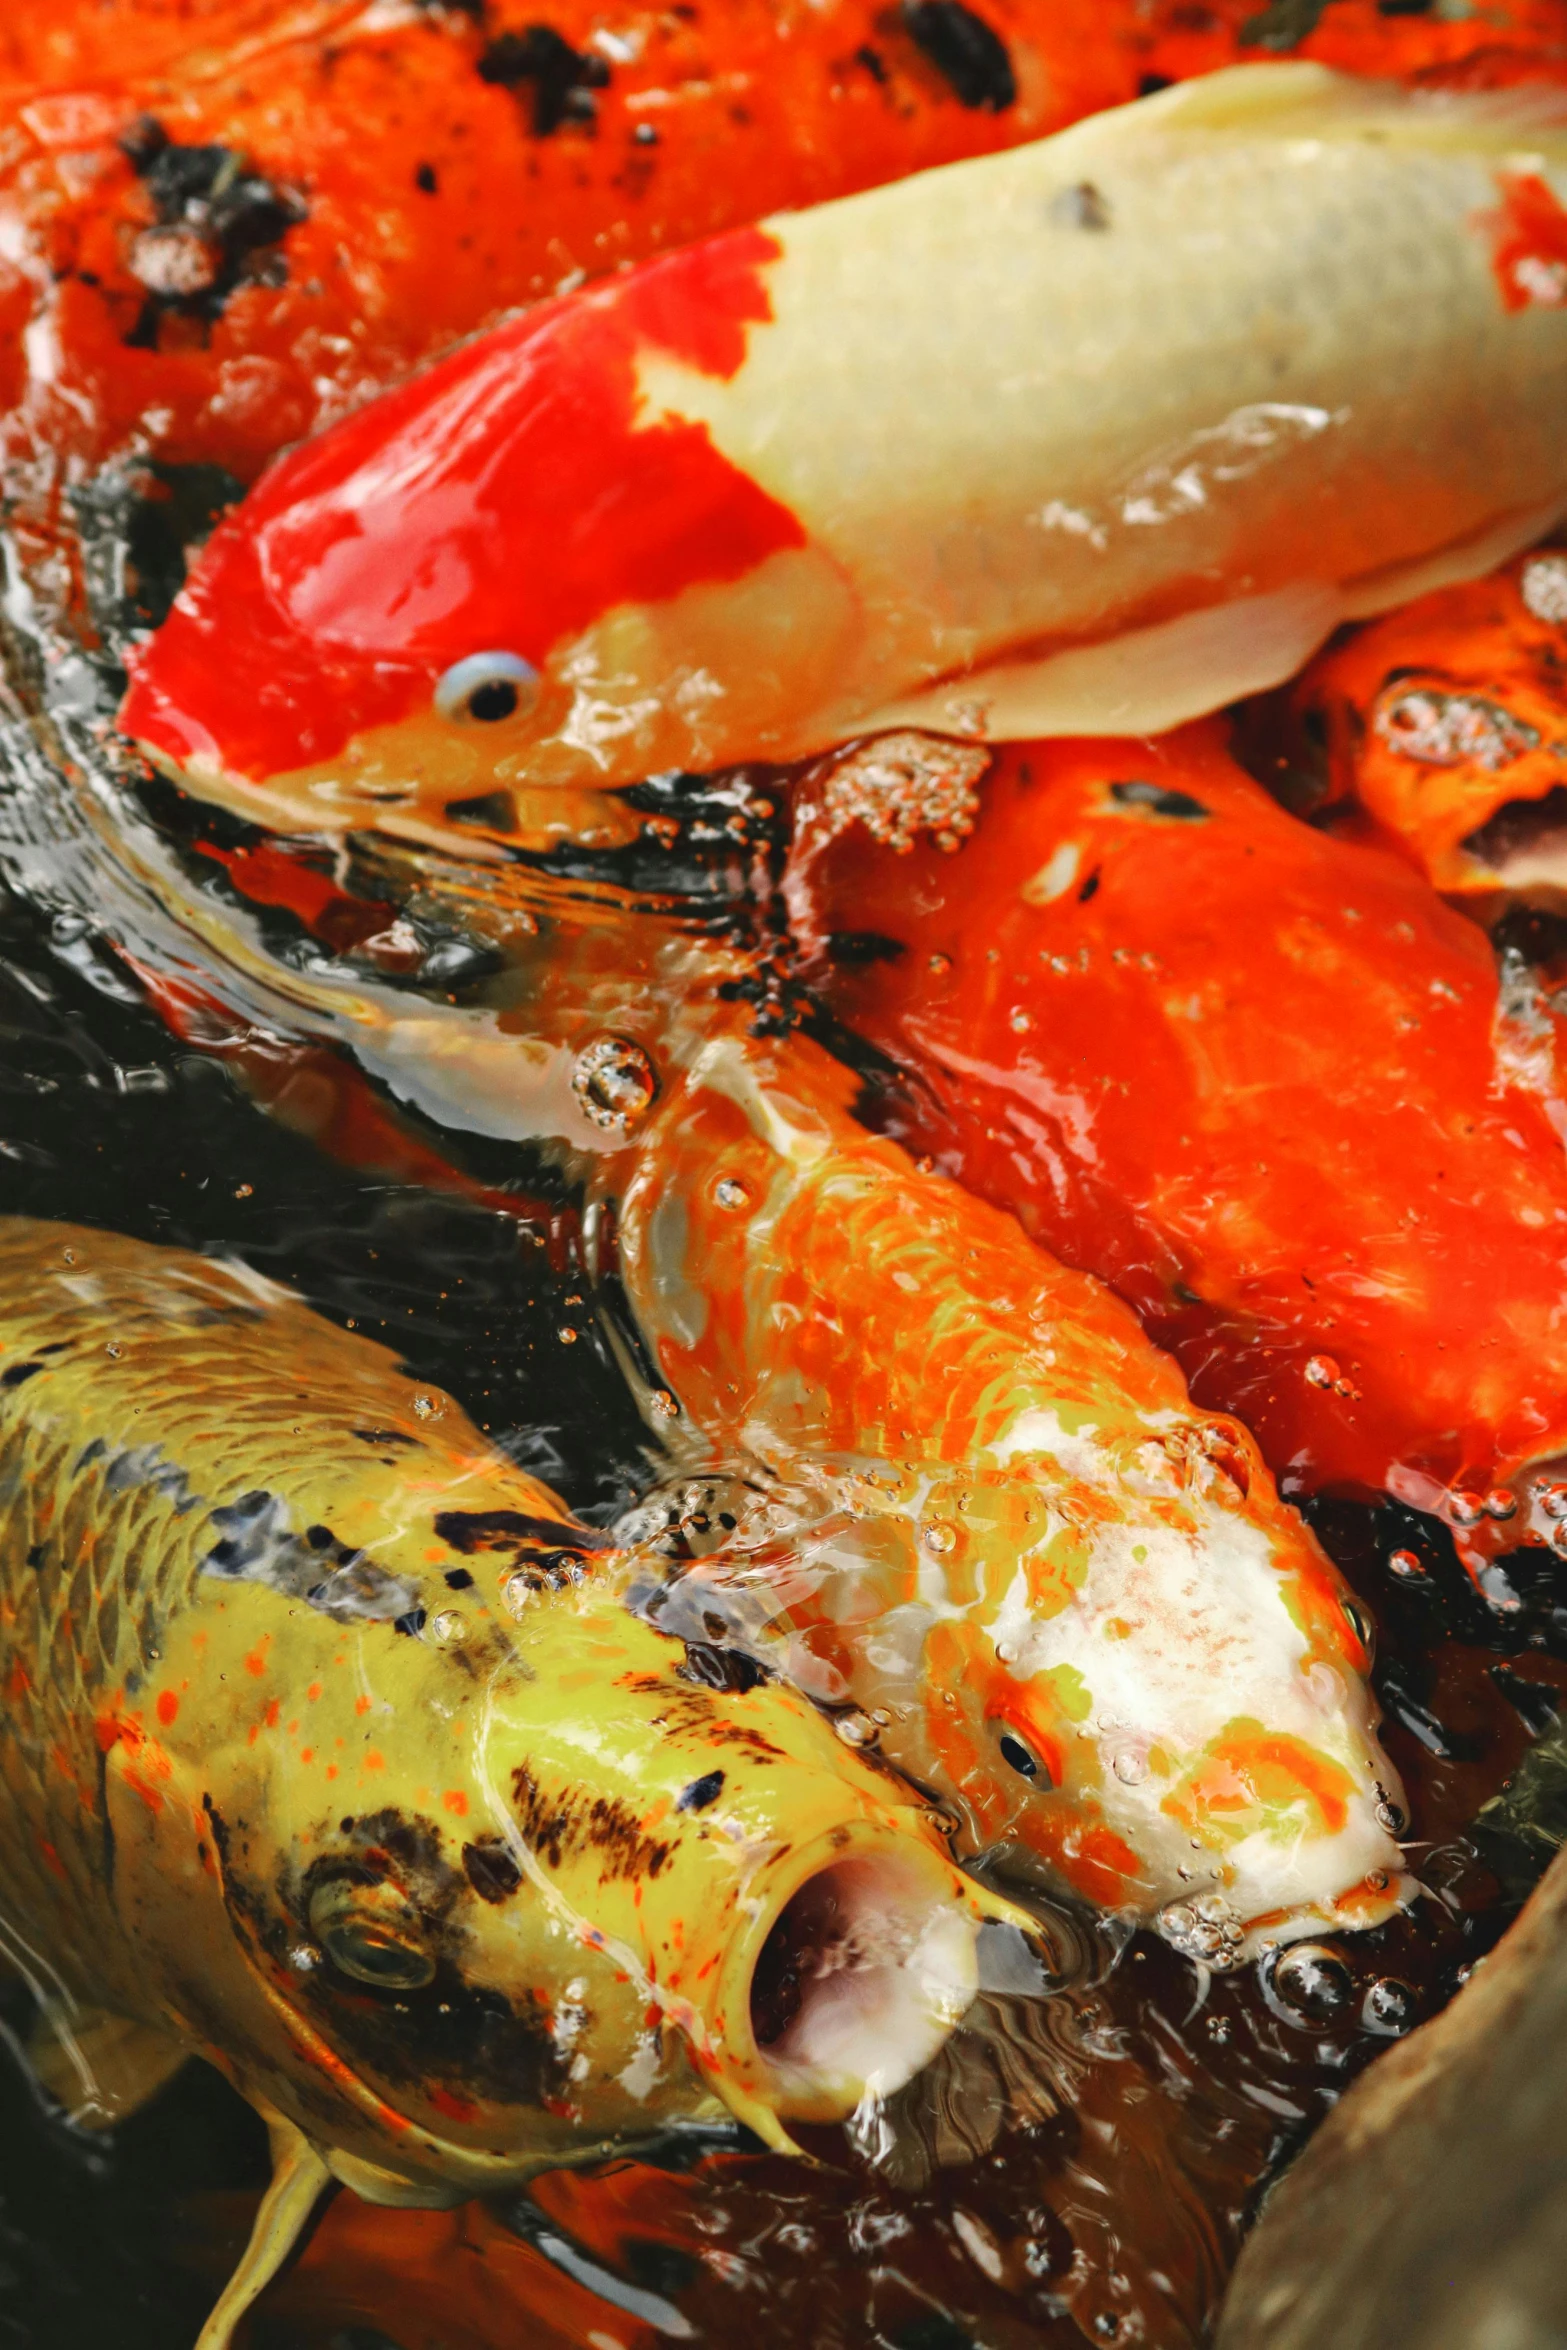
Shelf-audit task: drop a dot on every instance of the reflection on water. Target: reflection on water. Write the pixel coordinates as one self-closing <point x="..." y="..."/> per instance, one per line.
<point x="1080" y="2161"/>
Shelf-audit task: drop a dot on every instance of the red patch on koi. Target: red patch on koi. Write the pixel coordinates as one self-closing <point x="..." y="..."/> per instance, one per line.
<point x="168" y="1707"/>
<point x="1529" y="242"/>
<point x="508" y="497"/>
<point x="457" y="2109"/>
<point x="52" y="1859"/>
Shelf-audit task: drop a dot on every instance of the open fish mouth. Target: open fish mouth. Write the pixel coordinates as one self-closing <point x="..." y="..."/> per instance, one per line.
<point x="864" y="1973"/>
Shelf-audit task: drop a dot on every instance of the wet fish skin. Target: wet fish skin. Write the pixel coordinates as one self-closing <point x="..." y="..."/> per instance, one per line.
<point x="271" y="1680"/>
<point x="1447" y="723"/>
<point x="1256" y="1077"/>
<point x="1231" y="362"/>
<point x="992" y="1519"/>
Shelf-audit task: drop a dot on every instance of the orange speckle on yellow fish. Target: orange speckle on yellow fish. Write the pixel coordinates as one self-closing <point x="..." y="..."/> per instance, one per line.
<point x="256" y="1661"/>
<point x="375" y="1760"/>
<point x="361" y="1705"/>
<point x="168" y="1708"/>
<point x="273" y="1713"/>
<point x="456" y="1802"/>
<point x="313" y="1692"/>
<point x="331" y="1770"/>
<point x="307" y="1754"/>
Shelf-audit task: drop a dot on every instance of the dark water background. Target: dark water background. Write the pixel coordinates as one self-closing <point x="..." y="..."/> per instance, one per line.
<point x="1075" y="2170"/>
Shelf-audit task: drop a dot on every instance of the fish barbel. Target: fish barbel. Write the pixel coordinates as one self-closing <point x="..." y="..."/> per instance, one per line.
<point x="1086" y="437"/>
<point x="334" y="1755"/>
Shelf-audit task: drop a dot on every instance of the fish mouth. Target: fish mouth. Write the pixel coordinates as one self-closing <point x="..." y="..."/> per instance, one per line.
<point x="852" y="1984"/>
<point x="1523" y="846"/>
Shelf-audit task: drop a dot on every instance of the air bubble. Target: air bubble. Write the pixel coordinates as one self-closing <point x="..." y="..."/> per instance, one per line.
<point x="1130" y="1766"/>
<point x="1465" y="1509"/>
<point x="614" y="1083"/>
<point x="730" y="1194"/>
<point x="663" y="1405"/>
<point x="1408" y="1565"/>
<point x="1543" y="587"/>
<point x="856" y="1729"/>
<point x="1389" y="2007"/>
<point x="1311" y="1982"/>
<point x="1321" y="1371"/>
<point x="939" y="1537"/>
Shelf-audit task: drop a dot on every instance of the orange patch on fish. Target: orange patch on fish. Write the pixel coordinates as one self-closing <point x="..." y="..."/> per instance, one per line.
<point x="1528" y="242"/>
<point x="1253" y="1778"/>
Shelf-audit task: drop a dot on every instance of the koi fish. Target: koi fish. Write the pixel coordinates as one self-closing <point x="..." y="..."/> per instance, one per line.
<point x="1089" y="436"/>
<point x="1447" y="724"/>
<point x="1055" y="1591"/>
<point x="1257" y="1078"/>
<point x="334" y="1756"/>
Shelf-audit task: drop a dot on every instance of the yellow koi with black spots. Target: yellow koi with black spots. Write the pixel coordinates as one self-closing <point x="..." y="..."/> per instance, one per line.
<point x="332" y="1754"/>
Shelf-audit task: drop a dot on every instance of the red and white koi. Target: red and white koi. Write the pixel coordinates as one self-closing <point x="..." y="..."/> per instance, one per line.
<point x="1085" y="437"/>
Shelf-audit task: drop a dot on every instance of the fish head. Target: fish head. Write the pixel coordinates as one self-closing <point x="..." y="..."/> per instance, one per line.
<point x="582" y="1894"/>
<point x="1156" y="1685"/>
<point x="1168" y="1702"/>
<point x="514" y="574"/>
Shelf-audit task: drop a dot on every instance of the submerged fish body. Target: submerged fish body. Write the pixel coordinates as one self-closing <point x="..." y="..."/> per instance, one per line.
<point x="1257" y="1078"/>
<point x="1060" y="1595"/>
<point x="1088" y="436"/>
<point x="329" y="1757"/>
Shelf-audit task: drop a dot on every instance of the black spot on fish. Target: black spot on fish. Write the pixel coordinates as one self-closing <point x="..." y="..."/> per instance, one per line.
<point x="412" y="1623"/>
<point x="385" y="1436"/>
<point x="968" y="54"/>
<point x="1282" y="25"/>
<point x="1082" y="206"/>
<point x="1089" y="888"/>
<point x="562" y="79"/>
<point x="218" y="225"/>
<point x="37" y="1556"/>
<point x="574" y="1822"/>
<point x="863" y="946"/>
<point x="1150" y="84"/>
<point x="1160" y="801"/>
<point x="458" y="1579"/>
<point x="494" y="810"/>
<point x="873" y="62"/>
<point x="143" y="1466"/>
<point x="425" y="180"/>
<point x="470" y="1531"/>
<point x="19" y="1374"/>
<point x="491" y="1871"/>
<point x="258" y="1545"/>
<point x="701" y="1792"/>
<point x="721" y="1668"/>
<point x="92" y="1452"/>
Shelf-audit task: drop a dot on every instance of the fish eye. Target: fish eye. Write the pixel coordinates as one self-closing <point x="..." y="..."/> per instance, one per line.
<point x="1359" y="1622"/>
<point x="371" y="1934"/>
<point x="487" y="687"/>
<point x="1021" y="1756"/>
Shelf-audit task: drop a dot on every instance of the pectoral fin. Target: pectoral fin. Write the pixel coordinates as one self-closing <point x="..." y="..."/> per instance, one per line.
<point x="299" y="2178"/>
<point x="1142" y="682"/>
<point x="100" y="2067"/>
